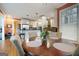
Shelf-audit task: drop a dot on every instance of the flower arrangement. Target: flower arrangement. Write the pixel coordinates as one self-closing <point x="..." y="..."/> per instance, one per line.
<point x="44" y="35"/>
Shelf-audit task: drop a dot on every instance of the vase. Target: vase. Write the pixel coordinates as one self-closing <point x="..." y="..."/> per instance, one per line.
<point x="44" y="41"/>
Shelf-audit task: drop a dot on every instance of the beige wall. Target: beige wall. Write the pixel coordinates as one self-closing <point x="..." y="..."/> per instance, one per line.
<point x="16" y="25"/>
<point x="7" y="20"/>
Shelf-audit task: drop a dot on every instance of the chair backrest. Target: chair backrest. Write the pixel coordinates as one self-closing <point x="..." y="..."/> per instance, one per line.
<point x="33" y="35"/>
<point x="19" y="48"/>
<point x="18" y="44"/>
<point x="54" y="35"/>
<point x="19" y="40"/>
<point x="76" y="53"/>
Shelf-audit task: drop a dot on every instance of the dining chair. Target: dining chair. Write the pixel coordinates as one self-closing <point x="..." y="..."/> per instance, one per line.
<point x="76" y="52"/>
<point x="33" y="35"/>
<point x="18" y="44"/>
<point x="55" y="35"/>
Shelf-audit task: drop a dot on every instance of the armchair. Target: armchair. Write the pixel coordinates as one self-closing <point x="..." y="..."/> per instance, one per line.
<point x="55" y="35"/>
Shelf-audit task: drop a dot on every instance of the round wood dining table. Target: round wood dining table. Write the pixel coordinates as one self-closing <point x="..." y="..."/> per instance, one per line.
<point x="41" y="50"/>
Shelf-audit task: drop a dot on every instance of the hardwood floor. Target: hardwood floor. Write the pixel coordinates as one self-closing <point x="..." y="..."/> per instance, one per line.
<point x="9" y="48"/>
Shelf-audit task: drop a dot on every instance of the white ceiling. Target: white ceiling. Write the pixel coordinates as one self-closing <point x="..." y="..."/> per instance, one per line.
<point x="25" y="9"/>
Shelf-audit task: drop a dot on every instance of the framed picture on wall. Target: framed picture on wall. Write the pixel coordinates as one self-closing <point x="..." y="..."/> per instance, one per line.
<point x="9" y="25"/>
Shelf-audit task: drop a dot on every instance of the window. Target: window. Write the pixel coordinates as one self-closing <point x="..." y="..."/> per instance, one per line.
<point x="68" y="23"/>
<point x="66" y="20"/>
<point x="69" y="15"/>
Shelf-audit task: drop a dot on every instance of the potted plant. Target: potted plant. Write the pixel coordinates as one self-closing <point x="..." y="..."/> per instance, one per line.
<point x="44" y="35"/>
